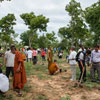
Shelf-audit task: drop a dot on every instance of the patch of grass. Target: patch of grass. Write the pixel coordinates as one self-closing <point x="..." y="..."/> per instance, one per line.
<point x="8" y="97"/>
<point x="41" y="97"/>
<point x="88" y="83"/>
<point x="67" y="98"/>
<point x="27" y="88"/>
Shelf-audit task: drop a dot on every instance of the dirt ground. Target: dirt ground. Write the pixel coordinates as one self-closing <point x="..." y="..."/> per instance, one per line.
<point x="55" y="88"/>
<point x="60" y="85"/>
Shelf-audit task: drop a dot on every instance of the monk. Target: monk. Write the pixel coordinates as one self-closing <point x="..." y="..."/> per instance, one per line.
<point x="49" y="56"/>
<point x="19" y="71"/>
<point x="54" y="69"/>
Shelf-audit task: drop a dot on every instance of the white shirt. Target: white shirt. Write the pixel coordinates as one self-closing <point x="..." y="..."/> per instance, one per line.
<point x="72" y="58"/>
<point x="95" y="56"/>
<point x="81" y="56"/>
<point x="10" y="59"/>
<point x="29" y="53"/>
<point x="7" y="52"/>
<point x="4" y="83"/>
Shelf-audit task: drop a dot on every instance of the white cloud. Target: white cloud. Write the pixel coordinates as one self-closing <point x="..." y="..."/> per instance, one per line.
<point x="53" y="9"/>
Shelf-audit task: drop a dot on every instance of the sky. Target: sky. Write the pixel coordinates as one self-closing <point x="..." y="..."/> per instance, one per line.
<point x="52" y="9"/>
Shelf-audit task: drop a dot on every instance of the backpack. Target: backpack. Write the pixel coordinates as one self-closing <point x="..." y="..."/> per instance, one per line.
<point x="78" y="54"/>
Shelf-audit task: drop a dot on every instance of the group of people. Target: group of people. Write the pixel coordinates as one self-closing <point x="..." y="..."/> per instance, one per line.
<point x="14" y="63"/>
<point x="85" y="57"/>
<point x="32" y="53"/>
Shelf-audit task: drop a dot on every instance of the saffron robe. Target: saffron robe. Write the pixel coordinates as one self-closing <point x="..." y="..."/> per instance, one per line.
<point x="19" y="77"/>
<point x="53" y="68"/>
<point x="50" y="60"/>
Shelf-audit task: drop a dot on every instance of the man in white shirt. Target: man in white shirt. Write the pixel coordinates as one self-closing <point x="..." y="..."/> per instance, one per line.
<point x="9" y="63"/>
<point x="29" y="54"/>
<point x="72" y="62"/>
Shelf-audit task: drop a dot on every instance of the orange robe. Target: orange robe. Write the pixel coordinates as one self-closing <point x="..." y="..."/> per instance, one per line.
<point x="51" y="60"/>
<point x="53" y="68"/>
<point x="19" y="77"/>
<point x="24" y="57"/>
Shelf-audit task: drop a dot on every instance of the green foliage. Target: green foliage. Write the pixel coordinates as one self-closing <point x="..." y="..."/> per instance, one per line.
<point x="92" y="16"/>
<point x="41" y="97"/>
<point x="76" y="29"/>
<point x="6" y="29"/>
<point x="42" y="41"/>
<point x="34" y="24"/>
<point x="29" y="38"/>
<point x="6" y="24"/>
<point x="51" y="36"/>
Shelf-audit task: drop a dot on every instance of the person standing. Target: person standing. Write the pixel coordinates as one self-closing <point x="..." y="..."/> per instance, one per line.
<point x="43" y="53"/>
<point x="9" y="63"/>
<point x="81" y="63"/>
<point x="34" y="56"/>
<point x="72" y="62"/>
<point x="50" y="58"/>
<point x="29" y="54"/>
<point x="19" y="71"/>
<point x="95" y="66"/>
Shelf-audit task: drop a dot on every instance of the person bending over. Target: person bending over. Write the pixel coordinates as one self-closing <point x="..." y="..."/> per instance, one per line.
<point x="54" y="69"/>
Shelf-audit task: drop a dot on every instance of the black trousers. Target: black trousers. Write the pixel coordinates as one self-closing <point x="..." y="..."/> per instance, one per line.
<point x="0" y="70"/>
<point x="81" y="71"/>
<point x="43" y="58"/>
<point x="35" y="60"/>
<point x="8" y="70"/>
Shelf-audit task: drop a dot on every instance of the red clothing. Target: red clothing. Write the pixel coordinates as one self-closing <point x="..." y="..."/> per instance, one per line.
<point x="34" y="53"/>
<point x="43" y="53"/>
<point x="19" y="77"/>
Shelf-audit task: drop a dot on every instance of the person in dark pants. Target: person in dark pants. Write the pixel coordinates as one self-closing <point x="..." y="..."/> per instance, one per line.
<point x="9" y="63"/>
<point x="82" y="66"/>
<point x="95" y="66"/>
<point x="34" y="56"/>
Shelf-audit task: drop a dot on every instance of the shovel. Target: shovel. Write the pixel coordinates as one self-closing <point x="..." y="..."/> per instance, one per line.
<point x="80" y="83"/>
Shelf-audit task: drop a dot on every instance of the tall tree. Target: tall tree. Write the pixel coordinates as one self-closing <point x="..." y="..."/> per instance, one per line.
<point x="6" y="28"/>
<point x="77" y="27"/>
<point x="34" y="23"/>
<point x="92" y="16"/>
